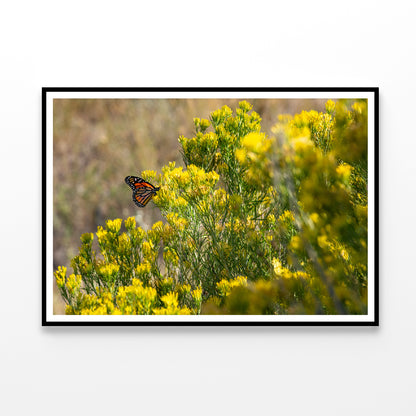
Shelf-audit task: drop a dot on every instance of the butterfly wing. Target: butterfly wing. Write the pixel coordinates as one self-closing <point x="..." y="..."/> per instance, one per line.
<point x="142" y="196"/>
<point x="135" y="182"/>
<point x="142" y="191"/>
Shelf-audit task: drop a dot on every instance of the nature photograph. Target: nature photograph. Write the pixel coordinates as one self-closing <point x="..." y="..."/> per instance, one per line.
<point x="210" y="209"/>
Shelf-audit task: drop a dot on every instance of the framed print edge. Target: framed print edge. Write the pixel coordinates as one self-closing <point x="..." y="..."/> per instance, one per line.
<point x="48" y="317"/>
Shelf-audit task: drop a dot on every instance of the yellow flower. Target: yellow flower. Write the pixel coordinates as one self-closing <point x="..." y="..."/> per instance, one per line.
<point x="114" y="226"/>
<point x="73" y="283"/>
<point x="245" y="106"/>
<point x="143" y="268"/>
<point x="108" y="271"/>
<point x="190" y="244"/>
<point x="323" y="241"/>
<point x="197" y="295"/>
<point x="176" y="222"/>
<point x="87" y="238"/>
<point x="175" y="310"/>
<point x="271" y="219"/>
<point x="101" y="234"/>
<point x="213" y="178"/>
<point x="130" y="223"/>
<point x="287" y="216"/>
<point x="253" y="141"/>
<point x="225" y="286"/>
<point x="171" y="299"/>
<point x="358" y="107"/>
<point x="170" y="256"/>
<point x="301" y="275"/>
<point x="296" y="243"/>
<point x="168" y="233"/>
<point x="165" y="285"/>
<point x="314" y="217"/>
<point x="185" y="288"/>
<point x="236" y="226"/>
<point x="218" y="116"/>
<point x="148" y="175"/>
<point x="124" y="243"/>
<point x="277" y="266"/>
<point x="241" y="155"/>
<point x="60" y="276"/>
<point x="281" y="271"/>
<point x="157" y="231"/>
<point x="330" y="106"/>
<point x="204" y="124"/>
<point x="344" y="171"/>
<point x="181" y="202"/>
<point x="302" y="144"/>
<point x="183" y="180"/>
<point x="344" y="254"/>
<point x="147" y="247"/>
<point x="69" y="310"/>
<point x="240" y="281"/>
<point x="136" y="299"/>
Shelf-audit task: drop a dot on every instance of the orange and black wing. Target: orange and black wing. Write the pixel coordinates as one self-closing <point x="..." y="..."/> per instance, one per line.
<point x="136" y="183"/>
<point x="142" y="191"/>
<point x="142" y="196"/>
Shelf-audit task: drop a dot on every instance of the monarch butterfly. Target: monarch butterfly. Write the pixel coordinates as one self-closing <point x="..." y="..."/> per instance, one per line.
<point x="143" y="191"/>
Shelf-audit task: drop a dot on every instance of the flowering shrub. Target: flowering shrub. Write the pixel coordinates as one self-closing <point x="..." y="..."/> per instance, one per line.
<point x="254" y="224"/>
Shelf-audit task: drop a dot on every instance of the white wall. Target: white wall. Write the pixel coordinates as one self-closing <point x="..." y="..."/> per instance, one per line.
<point x="208" y="371"/>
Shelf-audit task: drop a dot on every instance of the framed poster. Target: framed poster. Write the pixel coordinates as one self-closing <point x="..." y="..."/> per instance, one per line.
<point x="210" y="206"/>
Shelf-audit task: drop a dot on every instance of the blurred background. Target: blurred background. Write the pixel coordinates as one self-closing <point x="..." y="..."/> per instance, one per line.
<point x="98" y="142"/>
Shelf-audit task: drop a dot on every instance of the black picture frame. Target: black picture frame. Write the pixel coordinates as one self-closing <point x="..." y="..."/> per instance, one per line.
<point x="48" y="319"/>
